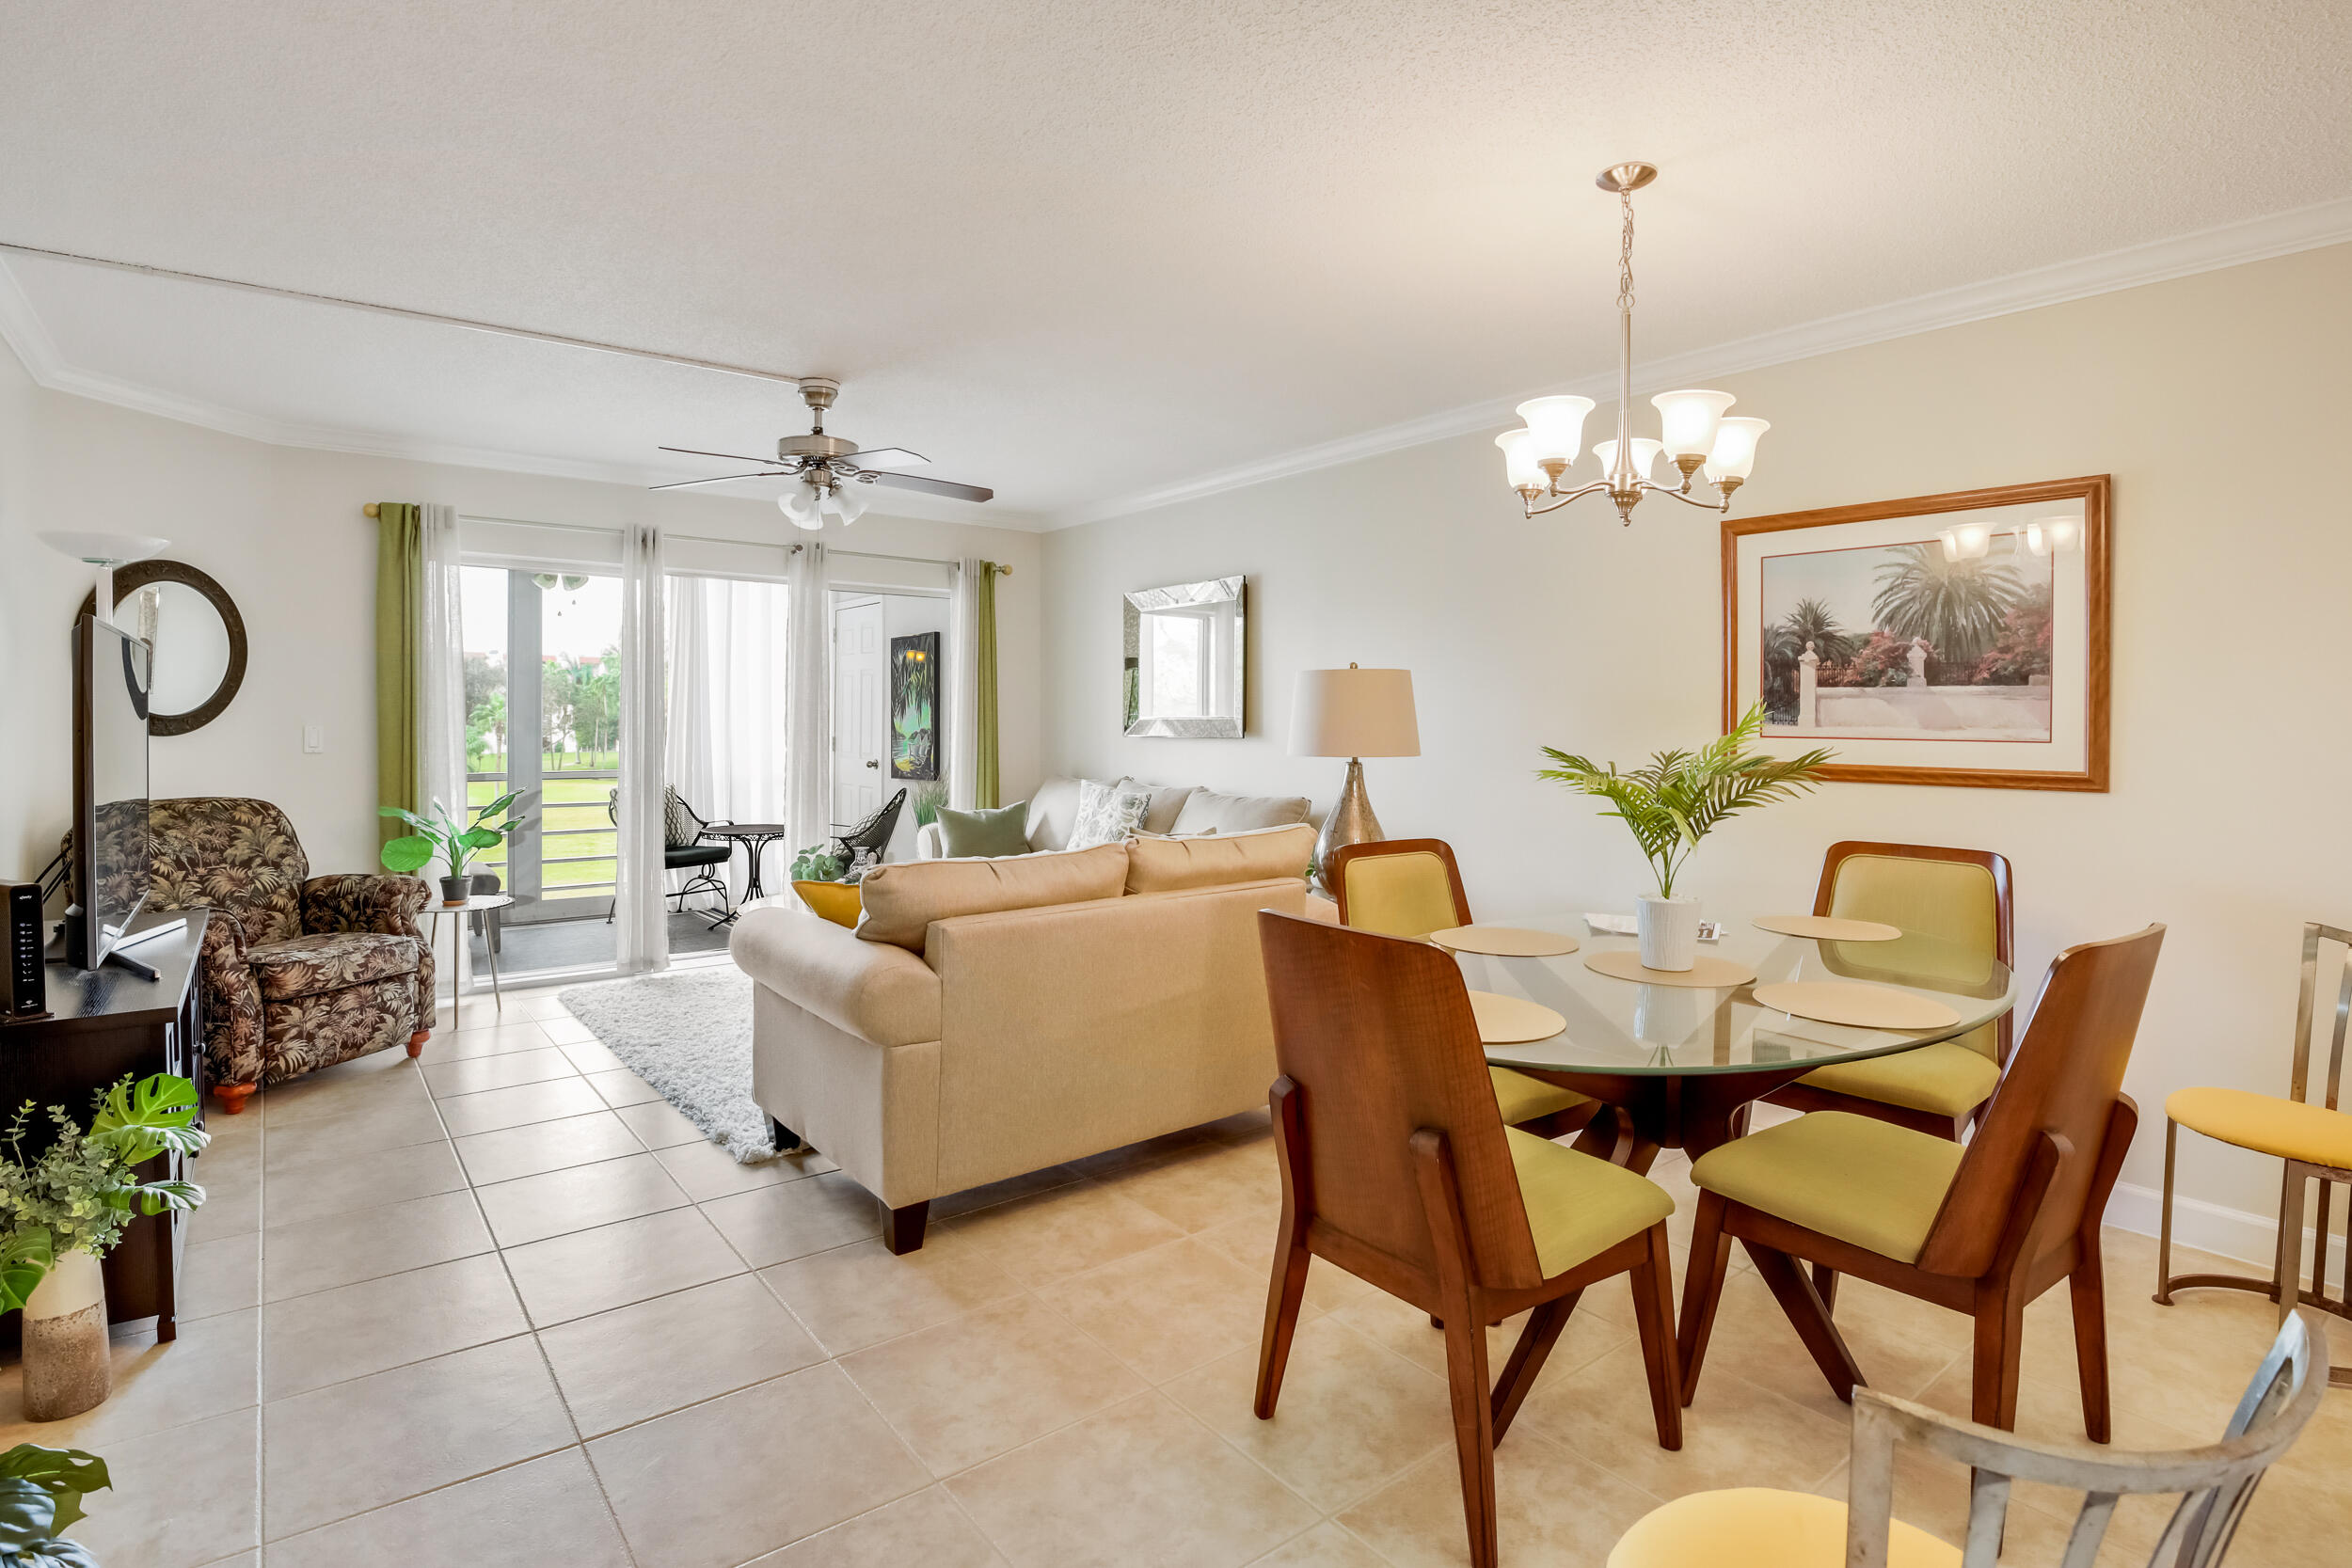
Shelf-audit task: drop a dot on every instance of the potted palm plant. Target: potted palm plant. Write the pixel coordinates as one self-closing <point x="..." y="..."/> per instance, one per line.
<point x="62" y="1211"/>
<point x="447" y="839"/>
<point x="1677" y="800"/>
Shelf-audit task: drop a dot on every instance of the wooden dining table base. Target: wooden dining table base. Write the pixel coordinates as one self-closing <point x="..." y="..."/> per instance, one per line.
<point x="1645" y="1111"/>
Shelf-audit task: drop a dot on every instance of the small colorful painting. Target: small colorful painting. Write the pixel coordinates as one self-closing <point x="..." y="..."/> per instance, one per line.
<point x="915" y="706"/>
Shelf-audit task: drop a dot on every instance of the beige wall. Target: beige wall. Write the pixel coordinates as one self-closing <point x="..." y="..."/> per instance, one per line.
<point x="280" y="527"/>
<point x="2221" y="404"/>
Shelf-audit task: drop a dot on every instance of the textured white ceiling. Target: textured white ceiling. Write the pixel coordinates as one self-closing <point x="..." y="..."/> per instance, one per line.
<point x="1073" y="249"/>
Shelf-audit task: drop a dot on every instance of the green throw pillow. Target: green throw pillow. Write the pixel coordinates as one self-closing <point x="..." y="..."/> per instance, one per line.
<point x="1002" y="831"/>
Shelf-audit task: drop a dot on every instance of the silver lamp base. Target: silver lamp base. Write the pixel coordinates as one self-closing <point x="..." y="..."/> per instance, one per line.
<point x="1350" y="821"/>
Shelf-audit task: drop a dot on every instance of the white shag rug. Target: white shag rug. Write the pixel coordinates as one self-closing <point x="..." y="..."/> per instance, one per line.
<point x="689" y="1035"/>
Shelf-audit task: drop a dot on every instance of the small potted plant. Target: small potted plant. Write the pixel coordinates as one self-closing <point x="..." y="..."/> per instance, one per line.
<point x="41" y="1494"/>
<point x="1675" y="801"/>
<point x="62" y="1210"/>
<point x="444" y="838"/>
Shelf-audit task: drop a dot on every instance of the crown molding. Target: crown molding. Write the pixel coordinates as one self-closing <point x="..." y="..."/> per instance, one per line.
<point x="2206" y="250"/>
<point x="21" y="327"/>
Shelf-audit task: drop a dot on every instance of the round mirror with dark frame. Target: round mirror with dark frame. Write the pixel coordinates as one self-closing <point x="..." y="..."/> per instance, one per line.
<point x="196" y="633"/>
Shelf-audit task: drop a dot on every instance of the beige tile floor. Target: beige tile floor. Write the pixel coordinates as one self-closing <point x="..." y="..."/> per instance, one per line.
<point x="505" y="1306"/>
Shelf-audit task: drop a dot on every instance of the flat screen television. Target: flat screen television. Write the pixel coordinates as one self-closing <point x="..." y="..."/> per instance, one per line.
<point x="110" y="865"/>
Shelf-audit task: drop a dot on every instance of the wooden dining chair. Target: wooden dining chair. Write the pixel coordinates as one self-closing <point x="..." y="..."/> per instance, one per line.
<point x="1982" y="1228"/>
<point x="1960" y="896"/>
<point x="1760" y="1528"/>
<point x="1409" y="887"/>
<point x="1397" y="1167"/>
<point x="2307" y="1131"/>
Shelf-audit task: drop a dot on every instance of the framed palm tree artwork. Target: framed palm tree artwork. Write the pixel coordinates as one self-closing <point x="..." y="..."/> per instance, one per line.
<point x="1959" y="639"/>
<point x="915" y="706"/>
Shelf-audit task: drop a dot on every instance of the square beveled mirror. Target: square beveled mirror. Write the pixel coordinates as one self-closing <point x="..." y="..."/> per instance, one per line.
<point x="1185" y="650"/>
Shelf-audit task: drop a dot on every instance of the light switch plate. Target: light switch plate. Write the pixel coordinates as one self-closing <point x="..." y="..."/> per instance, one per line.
<point x="314" y="737"/>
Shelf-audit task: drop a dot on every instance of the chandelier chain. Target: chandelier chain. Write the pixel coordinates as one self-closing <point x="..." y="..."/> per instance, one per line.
<point x="1625" y="256"/>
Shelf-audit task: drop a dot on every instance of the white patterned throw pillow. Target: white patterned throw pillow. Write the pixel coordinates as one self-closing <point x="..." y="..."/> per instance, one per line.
<point x="1106" y="813"/>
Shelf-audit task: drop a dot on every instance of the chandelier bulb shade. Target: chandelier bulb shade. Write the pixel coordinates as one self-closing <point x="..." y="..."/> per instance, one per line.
<point x="2053" y="535"/>
<point x="1646" y="453"/>
<point x="1967" y="542"/>
<point x="1695" y="433"/>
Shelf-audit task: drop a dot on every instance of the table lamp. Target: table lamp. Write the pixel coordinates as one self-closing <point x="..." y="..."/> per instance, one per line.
<point x="1352" y="713"/>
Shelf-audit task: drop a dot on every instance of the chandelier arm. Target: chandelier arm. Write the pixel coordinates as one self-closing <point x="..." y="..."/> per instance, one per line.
<point x="1723" y="505"/>
<point x="1578" y="493"/>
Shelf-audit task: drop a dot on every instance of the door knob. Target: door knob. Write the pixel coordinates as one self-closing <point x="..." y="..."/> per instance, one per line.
<point x="872" y="761"/>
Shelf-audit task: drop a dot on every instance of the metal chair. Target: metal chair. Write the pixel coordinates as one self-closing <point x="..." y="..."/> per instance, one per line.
<point x="1760" y="1528"/>
<point x="862" y="844"/>
<point x="698" y="852"/>
<point x="2313" y="1136"/>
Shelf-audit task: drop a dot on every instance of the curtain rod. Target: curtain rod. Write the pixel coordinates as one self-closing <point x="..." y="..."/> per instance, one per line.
<point x="370" y="510"/>
<point x="403" y="313"/>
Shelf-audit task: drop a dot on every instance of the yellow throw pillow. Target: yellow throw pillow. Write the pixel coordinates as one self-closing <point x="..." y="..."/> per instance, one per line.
<point x="838" y="902"/>
<point x="1166" y="865"/>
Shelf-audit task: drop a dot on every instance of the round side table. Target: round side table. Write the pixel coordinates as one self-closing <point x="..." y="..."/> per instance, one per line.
<point x="475" y="905"/>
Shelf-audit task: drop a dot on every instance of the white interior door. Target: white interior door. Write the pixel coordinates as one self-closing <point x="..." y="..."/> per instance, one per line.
<point x="861" y="709"/>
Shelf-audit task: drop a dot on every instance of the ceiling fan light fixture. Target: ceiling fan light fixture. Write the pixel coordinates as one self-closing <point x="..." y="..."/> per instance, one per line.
<point x="844" y="503"/>
<point x="798" y="506"/>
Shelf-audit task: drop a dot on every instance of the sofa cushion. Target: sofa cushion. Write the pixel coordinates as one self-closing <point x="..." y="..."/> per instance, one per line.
<point x="308" y="965"/>
<point x="1003" y="831"/>
<point x="878" y="992"/>
<point x="1166" y="801"/>
<point x="1052" y="811"/>
<point x="1235" y="814"/>
<point x="1107" y="813"/>
<point x="1165" y="865"/>
<point x="902" y="901"/>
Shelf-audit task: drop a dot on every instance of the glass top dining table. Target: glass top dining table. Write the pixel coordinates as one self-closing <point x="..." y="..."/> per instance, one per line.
<point x="1681" y="1063"/>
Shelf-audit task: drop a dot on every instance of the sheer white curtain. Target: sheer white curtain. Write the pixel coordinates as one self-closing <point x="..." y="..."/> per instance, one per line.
<point x="808" y="793"/>
<point x="441" y="700"/>
<point x="964" y="685"/>
<point x="729" y="693"/>
<point x="641" y="935"/>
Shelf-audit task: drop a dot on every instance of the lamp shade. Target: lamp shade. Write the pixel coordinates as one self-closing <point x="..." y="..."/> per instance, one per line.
<point x="1967" y="542"/>
<point x="1687" y="420"/>
<point x="1354" y="713"/>
<point x="1557" y="428"/>
<point x="1518" y="460"/>
<point x="2053" y="535"/>
<point x="1733" y="454"/>
<point x="1645" y="455"/>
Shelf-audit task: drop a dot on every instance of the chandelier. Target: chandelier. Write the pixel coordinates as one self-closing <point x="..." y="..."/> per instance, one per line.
<point x="1694" y="431"/>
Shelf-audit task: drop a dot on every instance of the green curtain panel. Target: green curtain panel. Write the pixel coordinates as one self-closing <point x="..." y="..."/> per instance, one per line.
<point x="984" y="781"/>
<point x="400" y="658"/>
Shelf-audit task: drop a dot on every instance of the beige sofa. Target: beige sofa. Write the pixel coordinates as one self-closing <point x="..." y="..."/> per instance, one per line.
<point x="1180" y="809"/>
<point x="990" y="1018"/>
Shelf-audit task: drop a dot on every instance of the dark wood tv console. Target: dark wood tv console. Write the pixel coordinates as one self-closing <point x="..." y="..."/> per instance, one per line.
<point x="102" y="1024"/>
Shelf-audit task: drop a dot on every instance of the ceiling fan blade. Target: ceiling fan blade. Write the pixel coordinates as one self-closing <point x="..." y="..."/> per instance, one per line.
<point x="936" y="486"/>
<point x="720" y="479"/>
<point x="730" y="457"/>
<point x="888" y="457"/>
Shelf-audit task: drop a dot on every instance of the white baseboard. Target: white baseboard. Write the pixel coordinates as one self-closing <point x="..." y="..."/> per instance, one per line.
<point x="2251" y="1237"/>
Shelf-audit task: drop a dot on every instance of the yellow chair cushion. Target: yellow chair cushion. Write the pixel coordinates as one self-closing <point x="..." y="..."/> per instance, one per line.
<point x="1951" y="900"/>
<point x="2267" y="1124"/>
<point x="1577" y="1205"/>
<point x="1406" y="894"/>
<point x="1948" y="1079"/>
<point x="1754" y="1526"/>
<point x="838" y="902"/>
<point x="1524" y="1098"/>
<point x="1854" y="1178"/>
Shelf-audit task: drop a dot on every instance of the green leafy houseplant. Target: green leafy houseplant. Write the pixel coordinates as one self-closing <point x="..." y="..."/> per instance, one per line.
<point x="41" y="1494"/>
<point x="818" y="864"/>
<point x="445" y="838"/>
<point x="1681" y="796"/>
<point x="77" y="1193"/>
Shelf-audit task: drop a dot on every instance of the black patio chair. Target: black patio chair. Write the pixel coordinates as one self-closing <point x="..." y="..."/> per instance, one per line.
<point x="680" y="851"/>
<point x="862" y="844"/>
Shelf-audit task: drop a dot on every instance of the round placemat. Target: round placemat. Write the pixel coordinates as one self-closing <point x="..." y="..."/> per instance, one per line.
<point x="1505" y="942"/>
<point x="1705" y="973"/>
<point x="1513" y="1020"/>
<point x="1822" y="927"/>
<point x="1863" y="1007"/>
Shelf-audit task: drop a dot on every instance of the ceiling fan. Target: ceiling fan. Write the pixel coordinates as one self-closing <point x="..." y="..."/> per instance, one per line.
<point x="828" y="466"/>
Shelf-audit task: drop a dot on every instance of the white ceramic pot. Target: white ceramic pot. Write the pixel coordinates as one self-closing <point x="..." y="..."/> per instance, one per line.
<point x="65" y="1366"/>
<point x="1670" y="931"/>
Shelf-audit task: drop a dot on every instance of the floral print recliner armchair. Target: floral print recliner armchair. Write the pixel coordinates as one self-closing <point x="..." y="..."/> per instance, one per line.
<point x="300" y="971"/>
